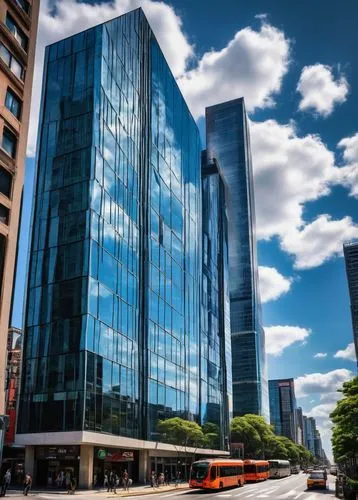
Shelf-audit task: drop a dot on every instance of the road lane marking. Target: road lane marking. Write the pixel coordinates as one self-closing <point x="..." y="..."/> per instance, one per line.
<point x="299" y="495"/>
<point x="287" y="494"/>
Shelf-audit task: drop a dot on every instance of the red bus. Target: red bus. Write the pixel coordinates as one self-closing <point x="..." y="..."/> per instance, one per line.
<point x="216" y="474"/>
<point x="256" y="470"/>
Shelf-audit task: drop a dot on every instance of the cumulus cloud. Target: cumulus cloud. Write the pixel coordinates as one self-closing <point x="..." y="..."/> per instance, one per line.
<point x="319" y="240"/>
<point x="272" y="284"/>
<point x="71" y="17"/>
<point x="321" y="383"/>
<point x="279" y="337"/>
<point x="348" y="353"/>
<point x="319" y="89"/>
<point x="320" y="355"/>
<point x="252" y="64"/>
<point x="289" y="171"/>
<point x="348" y="174"/>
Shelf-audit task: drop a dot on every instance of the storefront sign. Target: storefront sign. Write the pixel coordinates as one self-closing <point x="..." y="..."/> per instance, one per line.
<point x="112" y="455"/>
<point x="58" y="452"/>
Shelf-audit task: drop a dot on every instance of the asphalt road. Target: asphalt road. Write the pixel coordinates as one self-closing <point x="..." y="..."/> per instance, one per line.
<point x="290" y="488"/>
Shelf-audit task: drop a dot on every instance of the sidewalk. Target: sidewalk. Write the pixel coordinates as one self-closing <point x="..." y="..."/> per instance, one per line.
<point x="139" y="490"/>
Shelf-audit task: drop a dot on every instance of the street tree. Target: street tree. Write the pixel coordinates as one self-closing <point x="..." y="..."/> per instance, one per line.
<point x="243" y="432"/>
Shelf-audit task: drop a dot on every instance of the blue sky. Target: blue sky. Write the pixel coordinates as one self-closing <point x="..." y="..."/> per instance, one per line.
<point x="297" y="69"/>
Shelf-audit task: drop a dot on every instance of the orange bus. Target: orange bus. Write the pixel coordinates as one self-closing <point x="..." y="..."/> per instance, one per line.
<point x="256" y="470"/>
<point x="217" y="473"/>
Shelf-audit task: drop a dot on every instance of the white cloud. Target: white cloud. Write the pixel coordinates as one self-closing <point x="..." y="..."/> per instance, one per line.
<point x="347" y="353"/>
<point x="319" y="240"/>
<point x="320" y="90"/>
<point x="252" y="65"/>
<point x="322" y="410"/>
<point x="272" y="283"/>
<point x="71" y="17"/>
<point x="348" y="174"/>
<point x="289" y="171"/>
<point x="320" y="355"/>
<point x="279" y="337"/>
<point x="321" y="383"/>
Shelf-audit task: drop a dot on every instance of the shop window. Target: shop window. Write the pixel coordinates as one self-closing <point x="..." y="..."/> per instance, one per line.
<point x="24" y="5"/>
<point x="10" y="61"/>
<point x="5" y="182"/>
<point x="16" y="31"/>
<point x="8" y="142"/>
<point x="4" y="214"/>
<point x="13" y="103"/>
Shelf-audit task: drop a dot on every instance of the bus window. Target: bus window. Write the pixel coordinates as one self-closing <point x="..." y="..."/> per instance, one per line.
<point x="213" y="473"/>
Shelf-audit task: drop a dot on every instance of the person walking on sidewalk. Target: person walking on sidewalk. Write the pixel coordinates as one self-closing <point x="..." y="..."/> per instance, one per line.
<point x="125" y="480"/>
<point x="27" y="484"/>
<point x="153" y="479"/>
<point x="6" y="480"/>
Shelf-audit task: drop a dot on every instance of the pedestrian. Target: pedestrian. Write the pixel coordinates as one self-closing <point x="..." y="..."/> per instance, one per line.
<point x="153" y="479"/>
<point x="73" y="485"/>
<point x="116" y="483"/>
<point x="125" y="480"/>
<point x="105" y="481"/>
<point x="6" y="480"/>
<point x="110" y="481"/>
<point x="160" y="479"/>
<point x="27" y="484"/>
<point x="166" y="478"/>
<point x="177" y="478"/>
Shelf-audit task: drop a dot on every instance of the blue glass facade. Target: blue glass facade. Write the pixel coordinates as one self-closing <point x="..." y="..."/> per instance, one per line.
<point x="112" y="330"/>
<point x="351" y="260"/>
<point x="227" y="139"/>
<point x="215" y="341"/>
<point x="283" y="408"/>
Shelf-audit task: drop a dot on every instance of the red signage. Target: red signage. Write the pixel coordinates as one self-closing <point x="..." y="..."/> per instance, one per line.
<point x="115" y="456"/>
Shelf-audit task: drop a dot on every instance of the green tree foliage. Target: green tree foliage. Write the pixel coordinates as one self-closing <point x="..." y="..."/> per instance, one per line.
<point x="243" y="432"/>
<point x="345" y="423"/>
<point x="181" y="432"/>
<point x="211" y="434"/>
<point x="260" y="441"/>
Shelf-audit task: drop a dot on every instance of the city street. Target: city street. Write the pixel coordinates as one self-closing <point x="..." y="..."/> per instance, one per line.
<point x="291" y="488"/>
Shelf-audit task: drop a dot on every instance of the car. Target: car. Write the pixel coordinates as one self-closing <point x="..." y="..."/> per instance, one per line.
<point x="295" y="469"/>
<point x="317" y="479"/>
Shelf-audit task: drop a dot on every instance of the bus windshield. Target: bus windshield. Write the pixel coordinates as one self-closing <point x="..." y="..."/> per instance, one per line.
<point x="199" y="470"/>
<point x="250" y="468"/>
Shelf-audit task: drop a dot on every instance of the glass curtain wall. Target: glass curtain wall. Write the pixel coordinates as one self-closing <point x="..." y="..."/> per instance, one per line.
<point x="112" y="317"/>
<point x="174" y="252"/>
<point x="215" y="340"/>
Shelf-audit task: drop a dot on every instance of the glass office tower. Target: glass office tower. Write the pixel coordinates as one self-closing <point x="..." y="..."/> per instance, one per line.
<point x="227" y="140"/>
<point x="351" y="259"/>
<point x="215" y="360"/>
<point x="283" y="408"/>
<point x="113" y="312"/>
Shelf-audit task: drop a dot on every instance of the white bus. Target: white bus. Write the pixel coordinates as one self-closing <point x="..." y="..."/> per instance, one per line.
<point x="279" y="468"/>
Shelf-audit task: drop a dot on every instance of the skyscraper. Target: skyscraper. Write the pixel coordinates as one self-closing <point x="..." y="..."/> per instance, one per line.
<point x="283" y="407"/>
<point x="351" y="259"/>
<point x="18" y="27"/>
<point x="227" y="140"/>
<point x="112" y="337"/>
<point x="216" y="384"/>
<point x="300" y="427"/>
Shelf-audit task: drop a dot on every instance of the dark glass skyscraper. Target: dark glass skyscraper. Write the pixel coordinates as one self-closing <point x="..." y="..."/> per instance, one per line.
<point x="283" y="408"/>
<point x="112" y="334"/>
<point x="351" y="258"/>
<point x="227" y="140"/>
<point x="216" y="377"/>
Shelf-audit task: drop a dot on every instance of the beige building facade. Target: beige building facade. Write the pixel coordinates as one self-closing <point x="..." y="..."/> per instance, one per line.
<point x="18" y="28"/>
